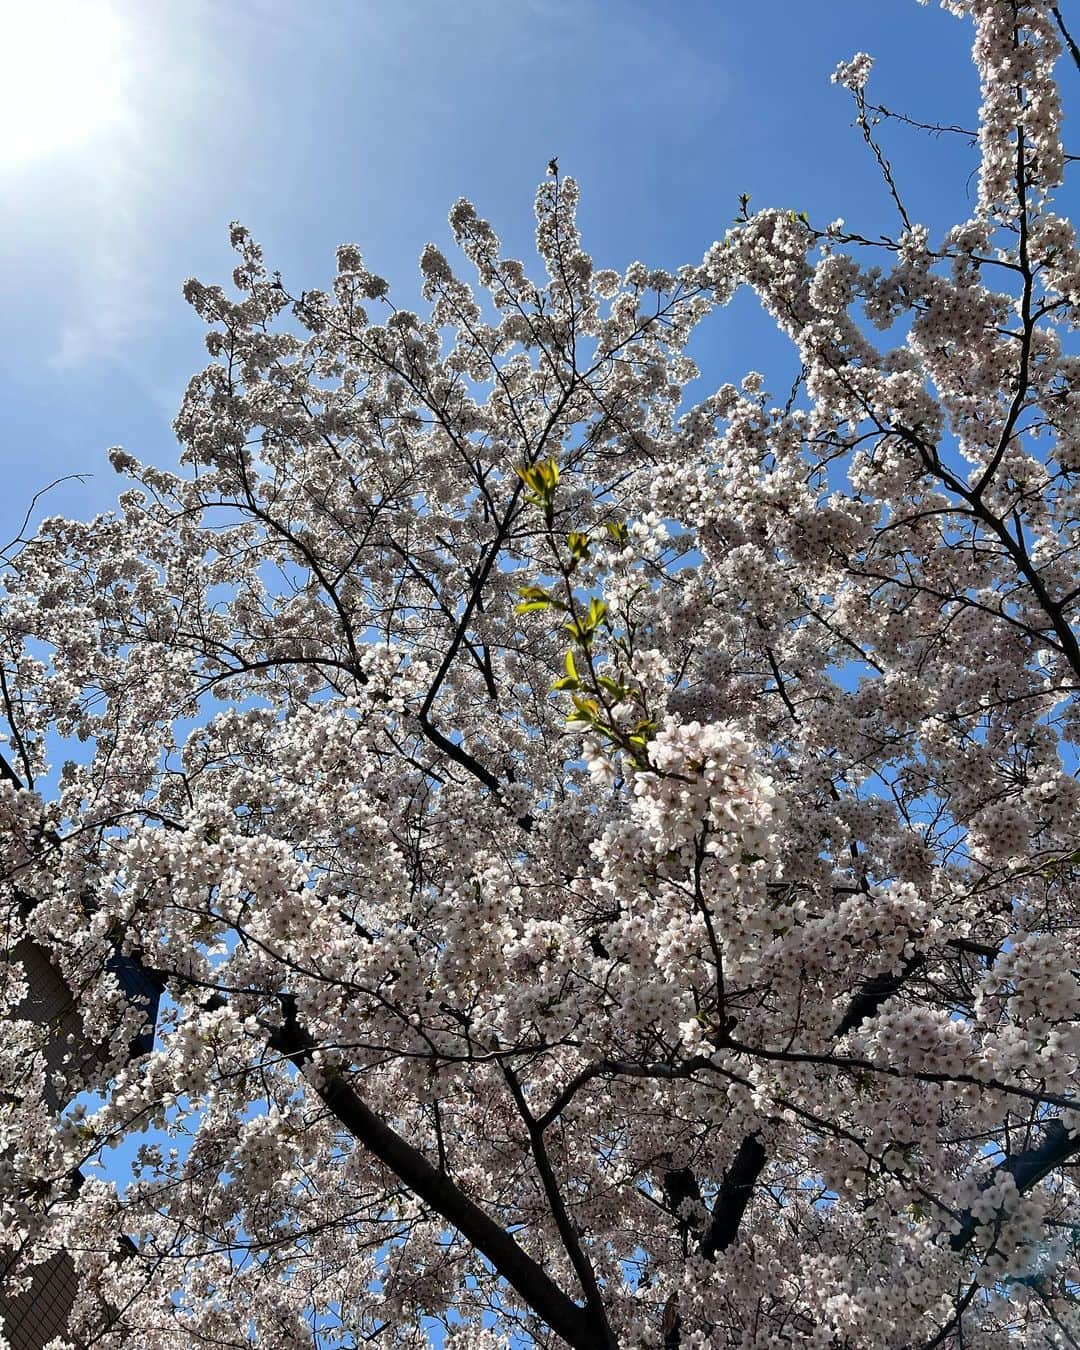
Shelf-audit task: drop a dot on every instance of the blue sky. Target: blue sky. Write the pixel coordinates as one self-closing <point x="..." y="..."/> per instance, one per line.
<point x="363" y="120"/>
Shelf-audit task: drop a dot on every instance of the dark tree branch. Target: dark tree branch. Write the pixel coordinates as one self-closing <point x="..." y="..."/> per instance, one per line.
<point x="733" y="1197"/>
<point x="1070" y="43"/>
<point x="435" y="1189"/>
<point x="1027" y="1169"/>
<point x="867" y="1002"/>
<point x="680" y="1186"/>
<point x="571" y="1239"/>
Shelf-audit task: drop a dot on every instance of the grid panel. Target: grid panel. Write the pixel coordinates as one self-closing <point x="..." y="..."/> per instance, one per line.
<point x="32" y="1319"/>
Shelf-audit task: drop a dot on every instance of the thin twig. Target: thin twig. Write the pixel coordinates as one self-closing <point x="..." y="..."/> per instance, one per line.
<point x="67" y="478"/>
<point x="1074" y="50"/>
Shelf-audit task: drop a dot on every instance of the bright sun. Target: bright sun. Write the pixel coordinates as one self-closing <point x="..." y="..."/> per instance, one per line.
<point x="61" y="75"/>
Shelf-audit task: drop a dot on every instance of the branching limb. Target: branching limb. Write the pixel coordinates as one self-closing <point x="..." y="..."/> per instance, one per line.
<point x="436" y="1189"/>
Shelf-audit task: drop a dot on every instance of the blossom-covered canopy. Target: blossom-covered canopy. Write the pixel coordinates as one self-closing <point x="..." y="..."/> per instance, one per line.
<point x="611" y="851"/>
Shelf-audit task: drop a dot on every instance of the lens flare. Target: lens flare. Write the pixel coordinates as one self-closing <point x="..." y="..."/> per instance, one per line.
<point x="62" y="75"/>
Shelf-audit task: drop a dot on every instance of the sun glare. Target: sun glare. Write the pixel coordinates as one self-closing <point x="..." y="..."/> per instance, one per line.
<point x="61" y="75"/>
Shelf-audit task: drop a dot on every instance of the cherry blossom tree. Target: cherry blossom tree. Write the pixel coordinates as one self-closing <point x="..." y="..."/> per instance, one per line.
<point x="611" y="854"/>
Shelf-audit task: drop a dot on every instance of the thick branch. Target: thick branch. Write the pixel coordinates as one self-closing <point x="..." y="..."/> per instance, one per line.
<point x="736" y="1188"/>
<point x="1027" y="1169"/>
<point x="867" y="1002"/>
<point x="436" y="1189"/>
<point x="680" y="1186"/>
